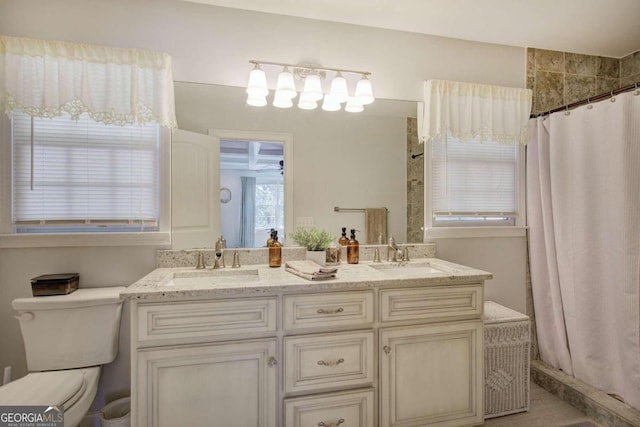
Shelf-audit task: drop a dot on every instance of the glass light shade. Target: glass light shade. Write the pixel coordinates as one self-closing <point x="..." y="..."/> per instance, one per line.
<point x="353" y="105"/>
<point x="257" y="85"/>
<point x="313" y="87"/>
<point x="307" y="102"/>
<point x="364" y="92"/>
<point x="282" y="100"/>
<point x="257" y="101"/>
<point x="285" y="84"/>
<point x="339" y="88"/>
<point x="331" y="103"/>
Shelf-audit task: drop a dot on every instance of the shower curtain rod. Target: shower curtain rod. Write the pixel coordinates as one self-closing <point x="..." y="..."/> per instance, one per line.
<point x="589" y="100"/>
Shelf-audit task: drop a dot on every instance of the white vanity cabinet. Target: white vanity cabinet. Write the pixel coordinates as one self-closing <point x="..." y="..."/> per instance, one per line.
<point x="388" y="354"/>
<point x="228" y="384"/>
<point x="431" y="372"/>
<point x="205" y="363"/>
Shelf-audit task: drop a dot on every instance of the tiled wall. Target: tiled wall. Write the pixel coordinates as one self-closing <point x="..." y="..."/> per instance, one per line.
<point x="415" y="184"/>
<point x="630" y="69"/>
<point x="560" y="78"/>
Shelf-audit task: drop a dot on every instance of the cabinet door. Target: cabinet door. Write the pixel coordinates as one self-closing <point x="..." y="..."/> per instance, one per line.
<point x="221" y="385"/>
<point x="431" y="375"/>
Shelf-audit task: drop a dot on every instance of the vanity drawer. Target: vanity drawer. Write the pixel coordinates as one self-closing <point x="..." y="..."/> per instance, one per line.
<point x="354" y="408"/>
<point x="450" y="302"/>
<point x="313" y="362"/>
<point x="323" y="310"/>
<point x="194" y="319"/>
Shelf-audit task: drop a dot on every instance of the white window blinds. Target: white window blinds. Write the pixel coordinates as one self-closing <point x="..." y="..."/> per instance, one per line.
<point x="473" y="179"/>
<point x="80" y="172"/>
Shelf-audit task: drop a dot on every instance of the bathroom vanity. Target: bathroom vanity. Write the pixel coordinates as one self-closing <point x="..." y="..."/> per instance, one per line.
<point x="381" y="345"/>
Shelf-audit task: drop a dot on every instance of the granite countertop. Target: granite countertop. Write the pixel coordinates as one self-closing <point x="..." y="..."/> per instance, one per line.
<point x="185" y="282"/>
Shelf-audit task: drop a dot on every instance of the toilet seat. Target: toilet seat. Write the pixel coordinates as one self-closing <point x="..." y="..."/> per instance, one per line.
<point x="72" y="388"/>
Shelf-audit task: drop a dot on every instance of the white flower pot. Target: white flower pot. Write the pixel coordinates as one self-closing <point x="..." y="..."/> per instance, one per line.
<point x="319" y="257"/>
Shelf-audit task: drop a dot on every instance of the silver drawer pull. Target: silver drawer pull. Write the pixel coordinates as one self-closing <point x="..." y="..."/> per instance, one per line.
<point x="323" y="424"/>
<point x="337" y="362"/>
<point x="272" y="362"/>
<point x="387" y="349"/>
<point x="330" y="311"/>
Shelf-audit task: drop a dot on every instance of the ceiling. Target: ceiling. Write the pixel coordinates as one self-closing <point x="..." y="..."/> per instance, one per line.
<point x="594" y="27"/>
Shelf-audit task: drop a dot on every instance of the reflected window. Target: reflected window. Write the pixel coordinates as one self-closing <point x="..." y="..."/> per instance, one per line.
<point x="269" y="207"/>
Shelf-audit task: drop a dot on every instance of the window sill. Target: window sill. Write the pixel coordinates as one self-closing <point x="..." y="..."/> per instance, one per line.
<point x="84" y="239"/>
<point x="473" y="232"/>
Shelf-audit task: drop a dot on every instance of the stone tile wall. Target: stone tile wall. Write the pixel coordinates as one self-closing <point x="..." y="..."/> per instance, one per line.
<point x="415" y="184"/>
<point x="560" y="78"/>
<point x="630" y="69"/>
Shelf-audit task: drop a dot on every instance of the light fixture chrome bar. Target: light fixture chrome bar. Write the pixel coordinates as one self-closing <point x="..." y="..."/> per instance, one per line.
<point x="309" y="67"/>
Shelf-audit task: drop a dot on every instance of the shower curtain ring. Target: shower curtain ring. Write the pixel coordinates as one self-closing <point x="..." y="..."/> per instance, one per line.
<point x="613" y="98"/>
<point x="637" y="92"/>
<point x="566" y="110"/>
<point x="589" y="106"/>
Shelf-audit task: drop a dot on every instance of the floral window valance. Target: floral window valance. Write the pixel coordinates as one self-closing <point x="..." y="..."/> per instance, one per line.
<point x="471" y="111"/>
<point x="46" y="78"/>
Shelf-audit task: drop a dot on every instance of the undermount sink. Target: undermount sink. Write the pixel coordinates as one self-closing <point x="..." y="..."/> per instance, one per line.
<point x="407" y="268"/>
<point x="214" y="277"/>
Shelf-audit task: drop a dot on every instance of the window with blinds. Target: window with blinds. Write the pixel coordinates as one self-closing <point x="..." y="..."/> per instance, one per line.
<point x="473" y="183"/>
<point x="80" y="175"/>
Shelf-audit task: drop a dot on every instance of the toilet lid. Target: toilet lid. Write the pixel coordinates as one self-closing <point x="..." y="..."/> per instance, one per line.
<point x="45" y="388"/>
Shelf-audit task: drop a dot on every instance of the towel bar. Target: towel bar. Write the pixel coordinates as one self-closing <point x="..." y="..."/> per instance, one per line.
<point x="339" y="209"/>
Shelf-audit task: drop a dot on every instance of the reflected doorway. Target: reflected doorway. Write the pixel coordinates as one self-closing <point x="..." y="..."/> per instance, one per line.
<point x="252" y="197"/>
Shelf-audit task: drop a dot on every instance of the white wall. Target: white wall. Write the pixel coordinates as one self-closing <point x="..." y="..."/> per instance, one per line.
<point x="212" y="45"/>
<point x="505" y="257"/>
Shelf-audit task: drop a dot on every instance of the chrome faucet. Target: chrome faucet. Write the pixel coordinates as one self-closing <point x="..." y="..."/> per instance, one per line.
<point x="392" y="250"/>
<point x="216" y="260"/>
<point x="221" y="245"/>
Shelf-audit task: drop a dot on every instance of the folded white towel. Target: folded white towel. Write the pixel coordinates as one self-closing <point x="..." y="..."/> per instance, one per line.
<point x="310" y="270"/>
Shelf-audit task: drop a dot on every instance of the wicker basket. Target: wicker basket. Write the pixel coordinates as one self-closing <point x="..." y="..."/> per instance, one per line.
<point x="507" y="339"/>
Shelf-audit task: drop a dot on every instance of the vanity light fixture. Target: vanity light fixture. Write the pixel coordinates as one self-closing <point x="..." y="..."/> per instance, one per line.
<point x="354" y="105"/>
<point x="312" y="91"/>
<point x="339" y="88"/>
<point x="286" y="86"/>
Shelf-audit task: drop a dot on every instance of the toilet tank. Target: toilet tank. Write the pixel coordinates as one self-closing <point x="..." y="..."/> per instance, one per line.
<point x="70" y="331"/>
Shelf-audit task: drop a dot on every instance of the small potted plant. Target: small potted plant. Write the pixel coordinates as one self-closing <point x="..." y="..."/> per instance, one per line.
<point x="316" y="241"/>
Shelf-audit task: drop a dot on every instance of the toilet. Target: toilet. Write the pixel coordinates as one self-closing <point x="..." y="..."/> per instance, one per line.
<point x="66" y="338"/>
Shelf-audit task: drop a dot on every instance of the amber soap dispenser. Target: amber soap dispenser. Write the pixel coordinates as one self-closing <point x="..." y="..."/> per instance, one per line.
<point x="353" y="249"/>
<point x="275" y="251"/>
<point x="343" y="241"/>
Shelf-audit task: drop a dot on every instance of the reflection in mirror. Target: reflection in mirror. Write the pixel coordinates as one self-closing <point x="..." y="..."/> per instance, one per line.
<point x="253" y="173"/>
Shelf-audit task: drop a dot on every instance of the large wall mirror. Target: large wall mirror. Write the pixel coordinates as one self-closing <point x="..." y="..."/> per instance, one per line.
<point x="350" y="160"/>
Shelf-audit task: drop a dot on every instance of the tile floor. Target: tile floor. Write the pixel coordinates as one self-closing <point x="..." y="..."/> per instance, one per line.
<point x="545" y="410"/>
